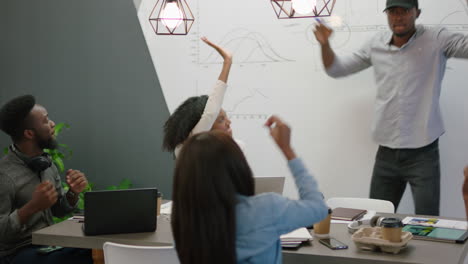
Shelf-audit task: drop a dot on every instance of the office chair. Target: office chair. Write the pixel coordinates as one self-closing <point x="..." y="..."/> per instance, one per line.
<point x="381" y="206"/>
<point x="124" y="254"/>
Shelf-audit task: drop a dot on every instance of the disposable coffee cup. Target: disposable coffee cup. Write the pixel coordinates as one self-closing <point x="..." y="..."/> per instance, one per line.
<point x="322" y="228"/>
<point x="158" y="203"/>
<point x="391" y="229"/>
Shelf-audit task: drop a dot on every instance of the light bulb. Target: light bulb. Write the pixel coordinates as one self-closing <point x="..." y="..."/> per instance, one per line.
<point x="303" y="7"/>
<point x="171" y="16"/>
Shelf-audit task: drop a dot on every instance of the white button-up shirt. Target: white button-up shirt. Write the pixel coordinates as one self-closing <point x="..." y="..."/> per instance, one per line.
<point x="408" y="83"/>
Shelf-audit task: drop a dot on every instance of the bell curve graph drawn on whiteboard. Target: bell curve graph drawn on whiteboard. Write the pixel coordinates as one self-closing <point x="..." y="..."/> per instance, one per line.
<point x="278" y="70"/>
<point x="248" y="47"/>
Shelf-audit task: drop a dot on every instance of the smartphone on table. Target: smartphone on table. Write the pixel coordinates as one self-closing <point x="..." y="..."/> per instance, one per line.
<point x="333" y="243"/>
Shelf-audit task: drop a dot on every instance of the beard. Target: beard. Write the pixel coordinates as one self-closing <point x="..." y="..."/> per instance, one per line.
<point x="408" y="32"/>
<point x="404" y="34"/>
<point x="50" y="143"/>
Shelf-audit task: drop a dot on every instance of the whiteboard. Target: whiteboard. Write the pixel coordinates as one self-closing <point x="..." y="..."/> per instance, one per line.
<point x="277" y="69"/>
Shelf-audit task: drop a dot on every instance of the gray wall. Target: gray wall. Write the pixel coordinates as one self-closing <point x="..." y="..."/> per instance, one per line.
<point x="88" y="63"/>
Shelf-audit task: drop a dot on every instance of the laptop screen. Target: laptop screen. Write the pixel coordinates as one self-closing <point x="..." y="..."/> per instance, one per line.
<point x="120" y="211"/>
<point x="269" y="184"/>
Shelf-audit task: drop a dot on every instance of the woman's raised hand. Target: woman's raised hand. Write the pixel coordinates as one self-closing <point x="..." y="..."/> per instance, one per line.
<point x="227" y="56"/>
<point x="281" y="134"/>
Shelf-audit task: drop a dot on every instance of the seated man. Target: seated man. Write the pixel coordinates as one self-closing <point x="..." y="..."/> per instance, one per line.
<point x="30" y="186"/>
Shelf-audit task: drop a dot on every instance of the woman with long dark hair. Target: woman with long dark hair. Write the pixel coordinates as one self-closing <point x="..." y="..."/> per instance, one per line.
<point x="200" y="113"/>
<point x="216" y="218"/>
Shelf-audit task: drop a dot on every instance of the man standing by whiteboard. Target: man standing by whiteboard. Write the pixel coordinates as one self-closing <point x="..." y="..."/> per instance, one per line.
<point x="409" y="64"/>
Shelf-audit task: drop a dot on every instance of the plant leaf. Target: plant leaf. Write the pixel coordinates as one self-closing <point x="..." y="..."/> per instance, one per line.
<point x="59" y="163"/>
<point x="59" y="127"/>
<point x="125" y="184"/>
<point x="60" y="219"/>
<point x="80" y="204"/>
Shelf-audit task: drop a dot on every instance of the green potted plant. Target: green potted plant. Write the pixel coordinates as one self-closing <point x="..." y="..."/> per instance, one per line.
<point x="58" y="155"/>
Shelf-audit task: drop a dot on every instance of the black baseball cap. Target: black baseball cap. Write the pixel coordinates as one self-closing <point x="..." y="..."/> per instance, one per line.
<point x="401" y="3"/>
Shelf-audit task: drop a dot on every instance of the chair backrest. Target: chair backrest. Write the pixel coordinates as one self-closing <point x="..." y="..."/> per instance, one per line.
<point x="123" y="254"/>
<point x="381" y="206"/>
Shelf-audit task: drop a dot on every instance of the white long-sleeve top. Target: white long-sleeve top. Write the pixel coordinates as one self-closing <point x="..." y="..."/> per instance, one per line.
<point x="210" y="113"/>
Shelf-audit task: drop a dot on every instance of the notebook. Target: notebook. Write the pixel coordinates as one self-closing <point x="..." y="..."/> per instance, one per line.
<point x="120" y="211"/>
<point x="295" y="238"/>
<point x="440" y="234"/>
<point x="347" y="214"/>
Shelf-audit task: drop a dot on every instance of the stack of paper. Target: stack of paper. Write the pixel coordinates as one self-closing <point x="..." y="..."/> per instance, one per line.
<point x="77" y="218"/>
<point x="166" y="208"/>
<point x="295" y="238"/>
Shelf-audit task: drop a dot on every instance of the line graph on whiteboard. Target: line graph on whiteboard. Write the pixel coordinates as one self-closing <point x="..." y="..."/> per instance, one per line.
<point x="248" y="47"/>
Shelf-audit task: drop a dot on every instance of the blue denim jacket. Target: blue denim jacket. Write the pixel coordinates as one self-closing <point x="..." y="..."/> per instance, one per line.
<point x="261" y="219"/>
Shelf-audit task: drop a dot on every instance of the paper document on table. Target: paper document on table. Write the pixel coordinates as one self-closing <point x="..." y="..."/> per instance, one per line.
<point x="77" y="218"/>
<point x="421" y="221"/>
<point x="367" y="216"/>
<point x="301" y="234"/>
<point x="166" y="208"/>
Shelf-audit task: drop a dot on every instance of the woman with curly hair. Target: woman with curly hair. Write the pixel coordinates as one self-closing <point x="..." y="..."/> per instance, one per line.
<point x="200" y="113"/>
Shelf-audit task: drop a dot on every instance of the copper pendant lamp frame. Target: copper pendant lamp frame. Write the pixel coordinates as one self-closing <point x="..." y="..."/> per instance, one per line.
<point x="284" y="10"/>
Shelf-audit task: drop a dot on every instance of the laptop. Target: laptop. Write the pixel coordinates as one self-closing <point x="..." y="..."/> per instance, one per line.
<point x="269" y="184"/>
<point x="120" y="211"/>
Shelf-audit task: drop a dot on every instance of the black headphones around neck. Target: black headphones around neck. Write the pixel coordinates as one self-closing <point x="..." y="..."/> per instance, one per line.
<point x="37" y="164"/>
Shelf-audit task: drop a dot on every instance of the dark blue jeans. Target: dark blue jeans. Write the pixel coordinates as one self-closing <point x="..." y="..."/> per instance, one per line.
<point x="29" y="255"/>
<point x="420" y="167"/>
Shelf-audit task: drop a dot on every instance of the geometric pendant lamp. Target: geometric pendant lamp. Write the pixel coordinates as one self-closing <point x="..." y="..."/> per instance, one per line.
<point x="285" y="9"/>
<point x="171" y="17"/>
